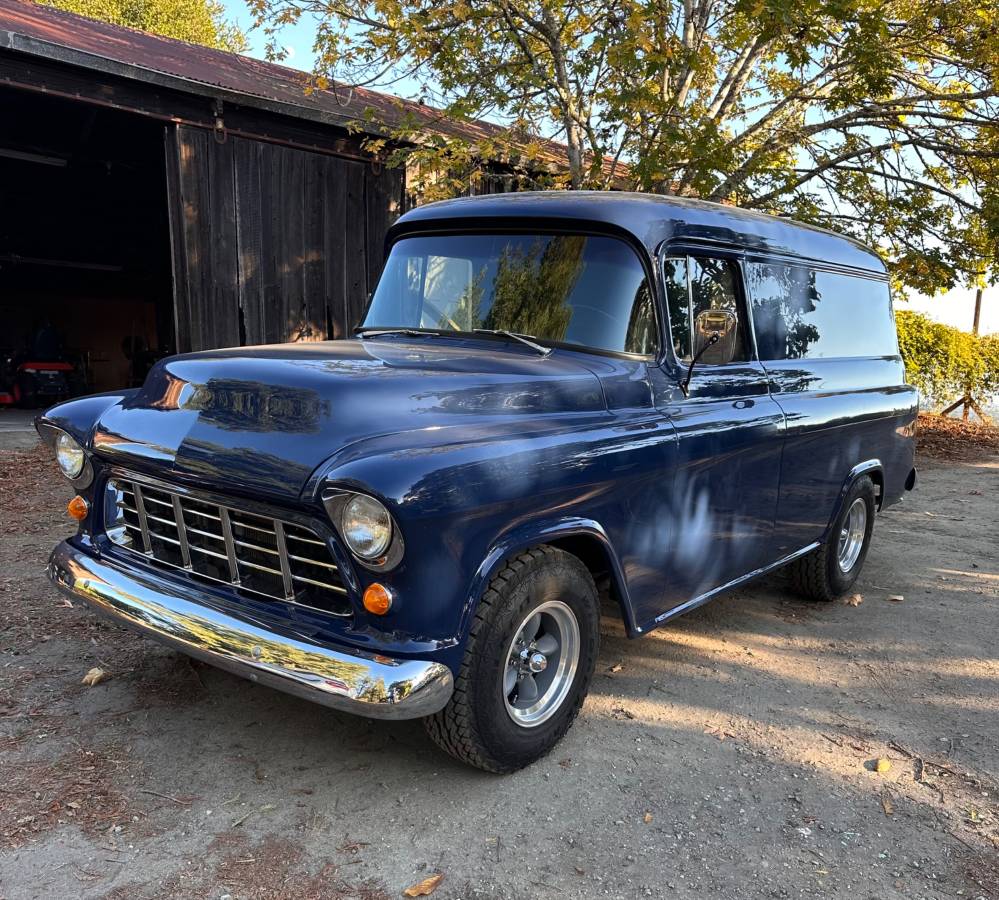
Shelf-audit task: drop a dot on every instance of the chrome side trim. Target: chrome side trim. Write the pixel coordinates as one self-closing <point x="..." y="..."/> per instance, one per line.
<point x="704" y="598"/>
<point x="188" y="620"/>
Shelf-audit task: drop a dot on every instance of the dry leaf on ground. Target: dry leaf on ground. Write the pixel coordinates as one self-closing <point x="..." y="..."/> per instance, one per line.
<point x="425" y="887"/>
<point x="855" y="600"/>
<point x="896" y="598"/>
<point x="95" y="676"/>
<point x="886" y="804"/>
<point x="647" y="818"/>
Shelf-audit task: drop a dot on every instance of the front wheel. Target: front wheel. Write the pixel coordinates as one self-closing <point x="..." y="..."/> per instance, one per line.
<point x="531" y="651"/>
<point x="830" y="570"/>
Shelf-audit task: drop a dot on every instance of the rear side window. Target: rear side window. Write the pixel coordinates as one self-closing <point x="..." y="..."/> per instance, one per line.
<point x="804" y="313"/>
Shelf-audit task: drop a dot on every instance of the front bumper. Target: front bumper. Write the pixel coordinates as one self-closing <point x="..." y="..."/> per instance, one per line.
<point x="189" y="620"/>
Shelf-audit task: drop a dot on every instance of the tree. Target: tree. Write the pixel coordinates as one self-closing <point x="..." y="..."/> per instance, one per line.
<point x="875" y="117"/>
<point x="197" y="21"/>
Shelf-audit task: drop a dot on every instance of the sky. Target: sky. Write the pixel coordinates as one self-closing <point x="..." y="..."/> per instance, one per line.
<point x="954" y="308"/>
<point x="296" y="39"/>
<point x="957" y="308"/>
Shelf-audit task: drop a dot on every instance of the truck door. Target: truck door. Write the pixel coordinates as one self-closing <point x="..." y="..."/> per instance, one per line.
<point x="730" y="433"/>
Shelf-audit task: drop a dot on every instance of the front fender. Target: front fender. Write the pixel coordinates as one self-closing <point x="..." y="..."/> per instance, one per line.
<point x="547" y="532"/>
<point x="78" y="417"/>
<point x="461" y="507"/>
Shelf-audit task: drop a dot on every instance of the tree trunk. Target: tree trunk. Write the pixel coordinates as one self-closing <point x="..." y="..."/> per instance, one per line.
<point x="575" y="152"/>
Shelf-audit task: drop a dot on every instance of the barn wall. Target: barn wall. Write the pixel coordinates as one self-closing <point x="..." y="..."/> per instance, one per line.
<point x="272" y="243"/>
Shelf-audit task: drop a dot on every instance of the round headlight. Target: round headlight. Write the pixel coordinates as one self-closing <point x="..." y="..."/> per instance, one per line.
<point x="69" y="455"/>
<point x="366" y="527"/>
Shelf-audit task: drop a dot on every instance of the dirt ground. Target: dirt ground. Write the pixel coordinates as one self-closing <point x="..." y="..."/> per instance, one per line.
<point x="728" y="755"/>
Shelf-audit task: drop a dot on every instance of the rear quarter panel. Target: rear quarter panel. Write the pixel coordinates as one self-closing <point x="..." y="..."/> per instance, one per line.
<point x="840" y="413"/>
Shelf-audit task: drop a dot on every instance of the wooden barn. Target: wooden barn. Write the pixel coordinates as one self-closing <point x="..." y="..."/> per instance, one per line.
<point x="160" y="197"/>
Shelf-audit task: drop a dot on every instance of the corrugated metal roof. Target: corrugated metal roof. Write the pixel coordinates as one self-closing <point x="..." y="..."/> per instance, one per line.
<point x="43" y="31"/>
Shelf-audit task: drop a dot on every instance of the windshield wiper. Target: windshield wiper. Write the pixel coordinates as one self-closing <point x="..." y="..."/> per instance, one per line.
<point x="378" y="332"/>
<point x="544" y="351"/>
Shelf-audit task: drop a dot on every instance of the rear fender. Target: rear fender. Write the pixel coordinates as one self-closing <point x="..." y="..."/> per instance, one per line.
<point x="871" y="468"/>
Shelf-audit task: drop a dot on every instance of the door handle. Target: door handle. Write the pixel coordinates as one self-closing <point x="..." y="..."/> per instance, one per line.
<point x="744" y="404"/>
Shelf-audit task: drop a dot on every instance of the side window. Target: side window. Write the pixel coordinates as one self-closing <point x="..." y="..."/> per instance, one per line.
<point x="703" y="301"/>
<point x="800" y="312"/>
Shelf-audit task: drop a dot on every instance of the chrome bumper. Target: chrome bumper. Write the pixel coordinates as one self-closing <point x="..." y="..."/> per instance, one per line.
<point x="185" y="618"/>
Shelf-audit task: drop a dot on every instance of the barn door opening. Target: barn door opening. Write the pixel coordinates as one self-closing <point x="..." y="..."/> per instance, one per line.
<point x="271" y="243"/>
<point x="85" y="280"/>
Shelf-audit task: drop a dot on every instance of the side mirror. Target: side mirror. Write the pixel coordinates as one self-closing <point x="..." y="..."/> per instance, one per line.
<point x="716" y="336"/>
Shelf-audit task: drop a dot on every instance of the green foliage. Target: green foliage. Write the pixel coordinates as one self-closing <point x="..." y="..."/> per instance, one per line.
<point x="196" y="21"/>
<point x="874" y="117"/>
<point x="946" y="363"/>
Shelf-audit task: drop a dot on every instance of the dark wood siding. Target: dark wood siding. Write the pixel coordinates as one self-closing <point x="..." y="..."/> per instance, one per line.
<point x="272" y="243"/>
<point x="206" y="283"/>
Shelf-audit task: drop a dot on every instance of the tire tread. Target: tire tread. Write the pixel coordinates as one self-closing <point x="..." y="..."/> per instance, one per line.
<point x="810" y="574"/>
<point x="453" y="728"/>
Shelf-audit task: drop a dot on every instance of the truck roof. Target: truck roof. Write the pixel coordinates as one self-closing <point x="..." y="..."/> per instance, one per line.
<point x="650" y="219"/>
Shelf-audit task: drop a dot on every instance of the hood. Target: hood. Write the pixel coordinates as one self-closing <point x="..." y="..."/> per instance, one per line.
<point x="261" y="419"/>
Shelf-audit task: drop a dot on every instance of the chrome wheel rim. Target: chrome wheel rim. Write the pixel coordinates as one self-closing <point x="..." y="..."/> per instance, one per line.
<point x="541" y="663"/>
<point x="852" y="534"/>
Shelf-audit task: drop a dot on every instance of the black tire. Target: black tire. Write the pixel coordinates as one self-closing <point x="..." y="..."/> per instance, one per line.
<point x="475" y="727"/>
<point x="819" y="575"/>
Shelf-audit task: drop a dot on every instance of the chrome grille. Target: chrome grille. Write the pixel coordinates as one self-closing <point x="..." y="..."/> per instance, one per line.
<point x="268" y="556"/>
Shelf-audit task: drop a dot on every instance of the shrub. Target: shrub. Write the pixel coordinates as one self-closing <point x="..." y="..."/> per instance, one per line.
<point x="946" y="363"/>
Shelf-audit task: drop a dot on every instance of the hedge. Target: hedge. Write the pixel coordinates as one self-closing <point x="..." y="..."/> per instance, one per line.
<point x="946" y="363"/>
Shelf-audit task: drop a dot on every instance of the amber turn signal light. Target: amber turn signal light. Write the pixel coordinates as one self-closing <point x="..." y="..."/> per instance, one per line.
<point x="78" y="508"/>
<point x="377" y="599"/>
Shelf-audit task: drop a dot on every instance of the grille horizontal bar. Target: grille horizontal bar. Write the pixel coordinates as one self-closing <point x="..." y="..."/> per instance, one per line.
<point x="269" y="556"/>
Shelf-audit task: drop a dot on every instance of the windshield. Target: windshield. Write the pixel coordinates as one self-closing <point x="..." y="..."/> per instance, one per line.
<point x="568" y="289"/>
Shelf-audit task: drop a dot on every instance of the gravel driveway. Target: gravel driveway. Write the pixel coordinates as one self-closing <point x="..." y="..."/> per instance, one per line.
<point x="730" y="754"/>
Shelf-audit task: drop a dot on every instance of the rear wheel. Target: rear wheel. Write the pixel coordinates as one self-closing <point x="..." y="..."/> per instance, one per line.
<point x="528" y="663"/>
<point x="830" y="570"/>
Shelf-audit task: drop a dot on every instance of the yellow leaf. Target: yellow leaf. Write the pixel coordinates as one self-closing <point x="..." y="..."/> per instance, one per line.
<point x="94" y="676"/>
<point x="425" y="887"/>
